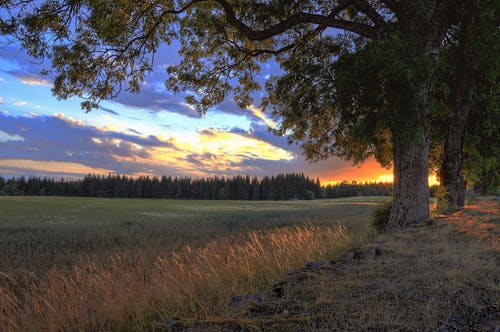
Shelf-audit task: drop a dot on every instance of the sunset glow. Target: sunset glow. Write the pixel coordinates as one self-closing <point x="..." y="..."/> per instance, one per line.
<point x="152" y="133"/>
<point x="433" y="180"/>
<point x="369" y="171"/>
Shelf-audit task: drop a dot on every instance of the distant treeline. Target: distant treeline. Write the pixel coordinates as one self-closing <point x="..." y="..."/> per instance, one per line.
<point x="279" y="187"/>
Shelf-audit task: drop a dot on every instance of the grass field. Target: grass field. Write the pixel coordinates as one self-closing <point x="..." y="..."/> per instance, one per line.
<point x="38" y="233"/>
<point x="100" y="264"/>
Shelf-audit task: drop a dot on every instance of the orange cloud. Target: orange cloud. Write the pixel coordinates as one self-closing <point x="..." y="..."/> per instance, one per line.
<point x="69" y="119"/>
<point x="261" y="115"/>
<point x="236" y="145"/>
<point x="209" y="151"/>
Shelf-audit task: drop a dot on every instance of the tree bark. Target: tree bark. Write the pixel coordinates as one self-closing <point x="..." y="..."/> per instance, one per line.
<point x="411" y="189"/>
<point x="462" y="193"/>
<point x="451" y="169"/>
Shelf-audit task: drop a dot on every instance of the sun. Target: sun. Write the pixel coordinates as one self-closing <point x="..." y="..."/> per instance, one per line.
<point x="433" y="180"/>
<point x="385" y="178"/>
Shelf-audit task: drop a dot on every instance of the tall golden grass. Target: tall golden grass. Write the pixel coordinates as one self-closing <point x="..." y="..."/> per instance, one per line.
<point x="133" y="293"/>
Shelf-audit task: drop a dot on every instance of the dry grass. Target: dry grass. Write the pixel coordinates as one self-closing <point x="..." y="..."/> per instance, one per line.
<point x="442" y="276"/>
<point x="103" y="264"/>
<point x="42" y="233"/>
<point x="130" y="293"/>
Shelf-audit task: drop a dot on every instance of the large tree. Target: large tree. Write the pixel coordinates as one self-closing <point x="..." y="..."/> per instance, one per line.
<point x="467" y="115"/>
<point x="98" y="46"/>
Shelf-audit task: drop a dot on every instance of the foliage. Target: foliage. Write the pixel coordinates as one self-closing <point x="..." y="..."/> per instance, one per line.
<point x="334" y="101"/>
<point x="441" y="205"/>
<point x="309" y="195"/>
<point x="279" y="187"/>
<point x="380" y="216"/>
<point x="346" y="189"/>
<point x="482" y="165"/>
<point x="479" y="42"/>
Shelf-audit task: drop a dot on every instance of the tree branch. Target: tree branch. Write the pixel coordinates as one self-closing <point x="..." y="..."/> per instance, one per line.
<point x="182" y="9"/>
<point x="298" y="18"/>
<point x="288" y="47"/>
<point x="365" y="7"/>
<point x="393" y="5"/>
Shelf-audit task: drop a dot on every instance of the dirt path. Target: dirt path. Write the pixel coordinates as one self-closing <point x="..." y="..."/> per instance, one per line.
<point x="480" y="220"/>
<point x="442" y="276"/>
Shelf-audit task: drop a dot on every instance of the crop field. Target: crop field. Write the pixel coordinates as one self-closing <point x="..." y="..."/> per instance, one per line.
<point x="101" y="264"/>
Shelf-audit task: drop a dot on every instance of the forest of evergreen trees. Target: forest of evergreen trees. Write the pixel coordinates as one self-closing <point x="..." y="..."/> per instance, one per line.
<point x="279" y="187"/>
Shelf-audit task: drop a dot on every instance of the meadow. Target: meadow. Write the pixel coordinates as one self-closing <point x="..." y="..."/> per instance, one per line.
<point x="129" y="264"/>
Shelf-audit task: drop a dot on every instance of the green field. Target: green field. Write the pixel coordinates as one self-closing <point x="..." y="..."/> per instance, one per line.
<point x="95" y="255"/>
<point x="42" y="211"/>
<point x="37" y="233"/>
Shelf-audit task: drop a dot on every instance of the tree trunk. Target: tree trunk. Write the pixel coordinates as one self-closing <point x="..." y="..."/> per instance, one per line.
<point x="425" y="29"/>
<point x="451" y="169"/>
<point x="411" y="189"/>
<point x="462" y="193"/>
<point x="410" y="133"/>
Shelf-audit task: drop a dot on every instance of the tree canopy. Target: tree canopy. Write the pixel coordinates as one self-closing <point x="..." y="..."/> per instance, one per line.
<point x="99" y="47"/>
<point x="465" y="115"/>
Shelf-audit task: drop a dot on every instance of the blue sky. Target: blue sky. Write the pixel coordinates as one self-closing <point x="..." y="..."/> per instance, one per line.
<point x="151" y="133"/>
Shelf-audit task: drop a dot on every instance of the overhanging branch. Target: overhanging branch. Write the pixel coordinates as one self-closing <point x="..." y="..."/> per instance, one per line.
<point x="299" y="18"/>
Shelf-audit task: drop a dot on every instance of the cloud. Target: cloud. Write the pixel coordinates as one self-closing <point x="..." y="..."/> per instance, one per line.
<point x="134" y="131"/>
<point x="241" y="145"/>
<point x="153" y="97"/>
<point x="20" y="103"/>
<point x="258" y="113"/>
<point x="43" y="166"/>
<point x="16" y="62"/>
<point x="96" y="140"/>
<point x="33" y="80"/>
<point x="210" y="152"/>
<point x="108" y="110"/>
<point x="64" y="139"/>
<point x="110" y="132"/>
<point x="370" y="170"/>
<point x="6" y="137"/>
<point x="156" y="101"/>
<point x="231" y="145"/>
<point x="70" y="120"/>
<point x="68" y="146"/>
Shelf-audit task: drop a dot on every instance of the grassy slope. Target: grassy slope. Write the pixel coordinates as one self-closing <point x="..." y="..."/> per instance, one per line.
<point x="437" y="277"/>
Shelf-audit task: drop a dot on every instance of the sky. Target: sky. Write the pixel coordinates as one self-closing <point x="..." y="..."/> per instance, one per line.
<point x="150" y="133"/>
